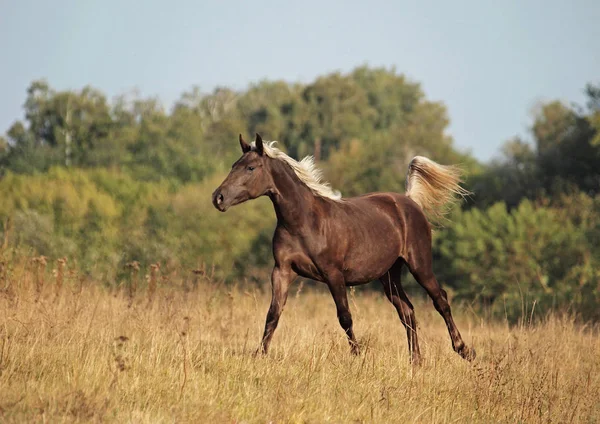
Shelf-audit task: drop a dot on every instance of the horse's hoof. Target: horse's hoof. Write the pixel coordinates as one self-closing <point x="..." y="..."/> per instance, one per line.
<point x="416" y="361"/>
<point x="468" y="353"/>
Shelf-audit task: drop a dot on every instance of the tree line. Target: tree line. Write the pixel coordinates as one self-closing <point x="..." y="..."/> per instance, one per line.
<point x="106" y="182"/>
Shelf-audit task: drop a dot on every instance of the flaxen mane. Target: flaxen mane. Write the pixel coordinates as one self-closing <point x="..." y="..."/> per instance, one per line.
<point x="305" y="170"/>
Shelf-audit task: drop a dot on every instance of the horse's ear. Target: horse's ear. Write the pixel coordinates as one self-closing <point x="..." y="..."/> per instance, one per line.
<point x="258" y="143"/>
<point x="245" y="146"/>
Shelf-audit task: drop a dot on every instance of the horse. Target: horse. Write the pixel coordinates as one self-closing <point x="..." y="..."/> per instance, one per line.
<point x="347" y="241"/>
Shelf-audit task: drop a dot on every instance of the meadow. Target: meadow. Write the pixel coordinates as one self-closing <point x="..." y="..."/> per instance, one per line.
<point x="180" y="348"/>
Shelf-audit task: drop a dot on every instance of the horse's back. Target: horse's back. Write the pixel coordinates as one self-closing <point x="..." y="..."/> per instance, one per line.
<point x="394" y="204"/>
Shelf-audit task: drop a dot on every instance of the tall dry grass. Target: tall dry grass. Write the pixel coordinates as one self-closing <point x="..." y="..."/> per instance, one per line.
<point x="181" y="350"/>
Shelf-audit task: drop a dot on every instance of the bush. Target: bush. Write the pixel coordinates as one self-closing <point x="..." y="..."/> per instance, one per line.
<point x="510" y="261"/>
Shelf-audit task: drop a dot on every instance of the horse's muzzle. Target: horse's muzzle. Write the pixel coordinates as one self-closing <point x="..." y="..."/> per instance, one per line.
<point x="218" y="200"/>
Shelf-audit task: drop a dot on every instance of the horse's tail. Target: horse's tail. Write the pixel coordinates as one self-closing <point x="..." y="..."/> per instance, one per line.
<point x="434" y="187"/>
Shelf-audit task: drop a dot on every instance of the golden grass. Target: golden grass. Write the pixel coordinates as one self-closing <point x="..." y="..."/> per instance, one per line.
<point x="79" y="353"/>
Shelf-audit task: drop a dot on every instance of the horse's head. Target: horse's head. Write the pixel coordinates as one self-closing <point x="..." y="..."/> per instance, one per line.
<point x="248" y="179"/>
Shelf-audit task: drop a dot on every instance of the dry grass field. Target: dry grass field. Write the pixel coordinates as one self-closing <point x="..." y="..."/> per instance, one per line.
<point x="73" y="351"/>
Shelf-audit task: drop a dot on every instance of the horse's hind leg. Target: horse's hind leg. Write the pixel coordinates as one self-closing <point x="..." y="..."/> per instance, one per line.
<point x="392" y="286"/>
<point x="420" y="266"/>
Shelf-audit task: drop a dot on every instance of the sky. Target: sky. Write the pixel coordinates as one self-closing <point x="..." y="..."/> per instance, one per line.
<point x="489" y="62"/>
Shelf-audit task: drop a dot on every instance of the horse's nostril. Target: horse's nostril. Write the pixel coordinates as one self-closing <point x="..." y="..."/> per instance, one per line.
<point x="219" y="199"/>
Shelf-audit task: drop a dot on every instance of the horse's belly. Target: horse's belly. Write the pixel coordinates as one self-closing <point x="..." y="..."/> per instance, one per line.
<point x="366" y="269"/>
<point x="371" y="254"/>
<point x="363" y="276"/>
<point x="360" y="272"/>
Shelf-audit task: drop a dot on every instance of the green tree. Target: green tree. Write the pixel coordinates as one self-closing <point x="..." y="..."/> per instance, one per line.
<point x="24" y="154"/>
<point x="3" y="147"/>
<point x="562" y="158"/>
<point x="505" y="260"/>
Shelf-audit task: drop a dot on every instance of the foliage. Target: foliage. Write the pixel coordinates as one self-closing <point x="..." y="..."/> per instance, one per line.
<point x="562" y="158"/>
<point x="508" y="260"/>
<point x="108" y="183"/>
<point x="106" y="220"/>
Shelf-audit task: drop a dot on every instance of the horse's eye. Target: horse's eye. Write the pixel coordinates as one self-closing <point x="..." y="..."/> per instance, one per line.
<point x="250" y="168"/>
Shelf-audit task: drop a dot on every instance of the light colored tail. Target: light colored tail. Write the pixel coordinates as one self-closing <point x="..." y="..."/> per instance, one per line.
<point x="434" y="187"/>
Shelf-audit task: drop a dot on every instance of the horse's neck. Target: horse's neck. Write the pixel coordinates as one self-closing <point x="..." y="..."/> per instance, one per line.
<point x="291" y="198"/>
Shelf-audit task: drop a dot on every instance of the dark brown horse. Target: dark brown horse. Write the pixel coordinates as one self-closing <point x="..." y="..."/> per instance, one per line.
<point x="345" y="242"/>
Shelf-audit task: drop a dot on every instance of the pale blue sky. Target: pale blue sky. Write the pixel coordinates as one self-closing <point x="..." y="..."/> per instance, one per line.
<point x="488" y="61"/>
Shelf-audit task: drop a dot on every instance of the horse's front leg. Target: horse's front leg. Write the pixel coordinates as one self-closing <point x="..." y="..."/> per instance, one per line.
<point x="281" y="279"/>
<point x="337" y="287"/>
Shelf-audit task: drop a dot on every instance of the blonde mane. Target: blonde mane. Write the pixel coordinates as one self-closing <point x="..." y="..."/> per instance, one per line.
<point x="305" y="170"/>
